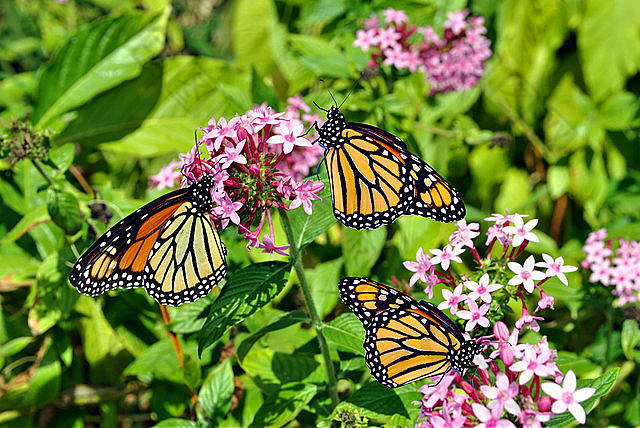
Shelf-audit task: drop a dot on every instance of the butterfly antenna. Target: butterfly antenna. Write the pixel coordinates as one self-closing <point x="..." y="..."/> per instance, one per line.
<point x="352" y="88"/>
<point x="335" y="103"/>
<point x="320" y="108"/>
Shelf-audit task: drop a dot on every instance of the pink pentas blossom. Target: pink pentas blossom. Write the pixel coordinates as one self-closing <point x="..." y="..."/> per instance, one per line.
<point x="616" y="267"/>
<point x="452" y="300"/>
<point x="252" y="171"/>
<point x="395" y="16"/>
<point x="465" y="234"/>
<point x="167" y="178"/>
<point x="528" y="320"/>
<point x="490" y="418"/>
<point x="532" y="364"/>
<point x="502" y="395"/>
<point x="474" y="315"/>
<point x="289" y="135"/>
<point x="525" y="274"/>
<point x="556" y="268"/>
<point x="545" y="302"/>
<point x="445" y="256"/>
<point x="451" y="63"/>
<point x="567" y="397"/>
<point x="482" y="289"/>
<point x="522" y="232"/>
<point x="420" y="267"/>
<point x="305" y="193"/>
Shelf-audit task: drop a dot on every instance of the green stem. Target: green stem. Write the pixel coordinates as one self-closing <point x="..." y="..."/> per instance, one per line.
<point x="44" y="174"/>
<point x="316" y="322"/>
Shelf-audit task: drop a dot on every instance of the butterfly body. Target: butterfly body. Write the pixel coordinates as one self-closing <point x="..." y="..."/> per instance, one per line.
<point x="375" y="179"/>
<point x="405" y="340"/>
<point x="169" y="246"/>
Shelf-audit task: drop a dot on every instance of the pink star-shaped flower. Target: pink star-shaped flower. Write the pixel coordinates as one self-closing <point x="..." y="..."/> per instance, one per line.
<point x="269" y="246"/>
<point x="305" y="193"/>
<point x="421" y="267"/>
<point x="388" y="38"/>
<point x="396" y="16"/>
<point x="465" y="234"/>
<point x="365" y="39"/>
<point x="490" y="418"/>
<point x="234" y="155"/>
<point x="521" y="231"/>
<point x="528" y="320"/>
<point x="525" y="274"/>
<point x="289" y="135"/>
<point x="482" y="289"/>
<point x="502" y="395"/>
<point x="556" y="268"/>
<point x="567" y="397"/>
<point x="475" y="315"/>
<point x="452" y="300"/>
<point x="445" y="256"/>
<point x="227" y="210"/>
<point x="531" y="364"/>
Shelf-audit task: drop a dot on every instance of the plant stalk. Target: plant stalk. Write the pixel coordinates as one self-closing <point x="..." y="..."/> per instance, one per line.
<point x="316" y="322"/>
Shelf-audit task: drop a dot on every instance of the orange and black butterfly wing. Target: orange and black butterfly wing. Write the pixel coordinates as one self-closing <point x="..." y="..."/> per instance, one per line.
<point x="369" y="177"/>
<point x="407" y="344"/>
<point x="430" y="194"/>
<point x="367" y="298"/>
<point x="169" y="246"/>
<point x="405" y="340"/>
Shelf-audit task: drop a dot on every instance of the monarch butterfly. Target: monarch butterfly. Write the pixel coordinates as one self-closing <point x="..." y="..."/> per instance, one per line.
<point x="405" y="340"/>
<point x="169" y="246"/>
<point x="375" y="179"/>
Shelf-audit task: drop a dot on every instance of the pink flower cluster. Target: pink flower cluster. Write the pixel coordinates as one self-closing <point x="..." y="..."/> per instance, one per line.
<point x="455" y="62"/>
<point x="471" y="300"/>
<point x="504" y="391"/>
<point x="621" y="270"/>
<point x="258" y="161"/>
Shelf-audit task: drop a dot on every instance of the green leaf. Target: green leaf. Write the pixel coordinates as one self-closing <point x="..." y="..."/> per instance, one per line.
<point x="380" y="402"/>
<point x="284" y="405"/>
<point x="514" y="192"/>
<point x="55" y="296"/>
<point x="609" y="44"/>
<point x="189" y="317"/>
<point x="323" y="279"/>
<point x="97" y="58"/>
<point x="321" y="11"/>
<point x="321" y="56"/>
<point x="602" y="384"/>
<point x="569" y="124"/>
<point x="30" y="220"/>
<point x="286" y="320"/>
<point x="62" y="156"/>
<point x="630" y="337"/>
<point x="157" y="112"/>
<point x="64" y="211"/>
<point x="253" y="21"/>
<point x="270" y="369"/>
<point x="191" y="371"/>
<point x="217" y="389"/>
<point x="618" y="111"/>
<point x="361" y="249"/>
<point x="306" y="228"/>
<point x="246" y="291"/>
<point x="260" y="92"/>
<point x="558" y="180"/>
<point x="346" y="333"/>
<point x="176" y="423"/>
<point x="16" y="345"/>
<point x="159" y="359"/>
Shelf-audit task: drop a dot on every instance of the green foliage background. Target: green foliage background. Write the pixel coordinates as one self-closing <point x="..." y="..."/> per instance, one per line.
<point x="550" y="131"/>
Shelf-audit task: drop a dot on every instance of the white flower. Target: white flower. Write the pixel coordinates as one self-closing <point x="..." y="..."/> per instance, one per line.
<point x="567" y="397"/>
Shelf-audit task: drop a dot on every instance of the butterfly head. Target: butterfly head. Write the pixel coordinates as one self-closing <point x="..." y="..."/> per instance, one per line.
<point x="331" y="131"/>
<point x="463" y="357"/>
<point x="202" y="193"/>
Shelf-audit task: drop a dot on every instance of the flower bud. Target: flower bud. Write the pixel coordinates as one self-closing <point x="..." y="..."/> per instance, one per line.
<point x="544" y="404"/>
<point x="501" y="331"/>
<point x="506" y="355"/>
